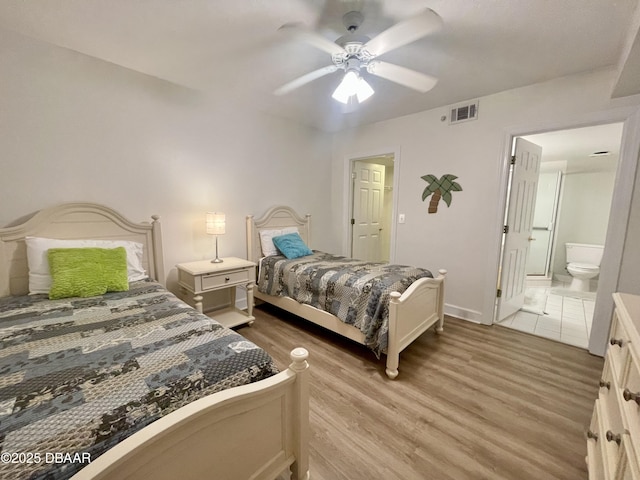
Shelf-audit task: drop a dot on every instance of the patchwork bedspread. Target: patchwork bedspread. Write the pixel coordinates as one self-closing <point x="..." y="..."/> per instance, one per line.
<point x="356" y="292"/>
<point x="79" y="375"/>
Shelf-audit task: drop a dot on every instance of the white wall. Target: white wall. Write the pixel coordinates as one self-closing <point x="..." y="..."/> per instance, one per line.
<point x="584" y="212"/>
<point x="462" y="238"/>
<point x="74" y="128"/>
<point x="629" y="281"/>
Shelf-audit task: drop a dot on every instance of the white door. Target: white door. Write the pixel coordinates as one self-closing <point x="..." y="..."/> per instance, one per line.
<point x="519" y="225"/>
<point x="368" y="208"/>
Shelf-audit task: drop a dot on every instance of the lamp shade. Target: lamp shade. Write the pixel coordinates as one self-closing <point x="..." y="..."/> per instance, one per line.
<point x="351" y="85"/>
<point x="215" y="223"/>
<point x="364" y="90"/>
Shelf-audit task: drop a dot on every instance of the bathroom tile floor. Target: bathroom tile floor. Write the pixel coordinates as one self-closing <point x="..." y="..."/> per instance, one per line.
<point x="557" y="313"/>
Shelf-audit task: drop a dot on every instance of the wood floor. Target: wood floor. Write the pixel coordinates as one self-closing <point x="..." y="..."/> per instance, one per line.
<point x="475" y="402"/>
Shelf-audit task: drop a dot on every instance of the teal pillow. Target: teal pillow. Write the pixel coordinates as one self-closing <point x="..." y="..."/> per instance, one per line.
<point x="291" y="245"/>
<point x="87" y="272"/>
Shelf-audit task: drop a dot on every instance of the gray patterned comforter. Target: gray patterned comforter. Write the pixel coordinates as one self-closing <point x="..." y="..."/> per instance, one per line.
<point x="79" y="375"/>
<point x="356" y="292"/>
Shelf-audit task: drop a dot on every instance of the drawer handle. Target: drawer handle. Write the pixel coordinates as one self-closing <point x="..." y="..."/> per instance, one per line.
<point x="607" y="385"/>
<point x="592" y="435"/>
<point x="226" y="279"/>
<point x="611" y="437"/>
<point x="629" y="396"/>
<point x="616" y="341"/>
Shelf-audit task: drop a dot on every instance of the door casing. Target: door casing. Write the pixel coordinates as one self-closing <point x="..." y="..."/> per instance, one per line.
<point x="618" y="218"/>
<point x="368" y="212"/>
<point x="394" y="152"/>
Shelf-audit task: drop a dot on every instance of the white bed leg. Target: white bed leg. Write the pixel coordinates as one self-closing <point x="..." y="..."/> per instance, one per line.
<point x="393" y="351"/>
<point x="391" y="373"/>
<point x="300" y="469"/>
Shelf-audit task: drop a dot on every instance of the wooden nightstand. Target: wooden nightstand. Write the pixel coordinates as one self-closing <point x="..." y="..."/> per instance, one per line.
<point x="203" y="276"/>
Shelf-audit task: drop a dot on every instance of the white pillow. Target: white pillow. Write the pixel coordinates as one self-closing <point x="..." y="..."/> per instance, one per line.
<point x="40" y="277"/>
<point x="266" y="239"/>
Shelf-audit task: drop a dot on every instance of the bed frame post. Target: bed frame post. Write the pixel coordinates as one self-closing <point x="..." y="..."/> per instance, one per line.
<point x="393" y="349"/>
<point x="308" y="227"/>
<point x="249" y="232"/>
<point x="300" y="469"/>
<point x="158" y="255"/>
<point x="5" y="289"/>
<point x="440" y="325"/>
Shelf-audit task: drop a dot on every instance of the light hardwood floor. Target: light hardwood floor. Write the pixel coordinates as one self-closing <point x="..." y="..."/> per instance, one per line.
<point x="475" y="402"/>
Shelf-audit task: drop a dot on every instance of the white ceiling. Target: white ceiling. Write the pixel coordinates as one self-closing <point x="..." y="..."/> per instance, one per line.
<point x="575" y="147"/>
<point x="233" y="47"/>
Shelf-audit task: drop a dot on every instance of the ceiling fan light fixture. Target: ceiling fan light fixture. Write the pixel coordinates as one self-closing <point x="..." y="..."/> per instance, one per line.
<point x="347" y="87"/>
<point x="364" y="90"/>
<point x="354" y="51"/>
<point x="352" y="85"/>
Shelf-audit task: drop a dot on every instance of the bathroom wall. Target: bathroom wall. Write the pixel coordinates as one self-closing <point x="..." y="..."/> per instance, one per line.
<point x="584" y="212"/>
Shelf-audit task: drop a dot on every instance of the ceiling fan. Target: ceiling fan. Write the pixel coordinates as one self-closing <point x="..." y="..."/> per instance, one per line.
<point x="355" y="53"/>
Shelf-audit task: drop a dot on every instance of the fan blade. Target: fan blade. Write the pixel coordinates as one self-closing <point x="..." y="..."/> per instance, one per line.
<point x="312" y="38"/>
<point x="303" y="80"/>
<point x="404" y="76"/>
<point x="404" y="32"/>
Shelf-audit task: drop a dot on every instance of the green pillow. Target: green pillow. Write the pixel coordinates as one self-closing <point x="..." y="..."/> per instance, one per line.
<point x="87" y="272"/>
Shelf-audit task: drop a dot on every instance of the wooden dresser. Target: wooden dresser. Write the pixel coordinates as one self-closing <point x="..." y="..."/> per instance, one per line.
<point x="613" y="438"/>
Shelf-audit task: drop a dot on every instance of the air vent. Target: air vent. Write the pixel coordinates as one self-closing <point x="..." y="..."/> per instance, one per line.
<point x="463" y="112"/>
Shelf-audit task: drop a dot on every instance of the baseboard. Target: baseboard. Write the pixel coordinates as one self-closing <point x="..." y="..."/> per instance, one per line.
<point x="538" y="281"/>
<point x="462" y="313"/>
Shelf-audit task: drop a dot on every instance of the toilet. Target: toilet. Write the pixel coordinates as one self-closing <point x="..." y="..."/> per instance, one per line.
<point x="583" y="263"/>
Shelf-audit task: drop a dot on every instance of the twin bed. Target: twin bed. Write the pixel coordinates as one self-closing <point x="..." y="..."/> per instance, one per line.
<point x="134" y="383"/>
<point x="384" y="307"/>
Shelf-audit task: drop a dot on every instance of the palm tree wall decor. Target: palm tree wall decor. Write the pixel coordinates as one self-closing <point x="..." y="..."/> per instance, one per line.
<point x="439" y="188"/>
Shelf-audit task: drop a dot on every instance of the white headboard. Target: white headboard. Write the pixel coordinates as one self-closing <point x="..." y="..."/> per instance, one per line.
<point x="74" y="221"/>
<point x="275" y="218"/>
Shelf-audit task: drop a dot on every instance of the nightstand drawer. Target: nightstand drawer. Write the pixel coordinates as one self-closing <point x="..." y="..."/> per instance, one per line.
<point x="217" y="280"/>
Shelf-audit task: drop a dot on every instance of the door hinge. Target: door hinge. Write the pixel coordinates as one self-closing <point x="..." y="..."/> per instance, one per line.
<point x="499" y="293"/>
<point x="505" y="229"/>
<point x="353" y="221"/>
<point x="513" y="160"/>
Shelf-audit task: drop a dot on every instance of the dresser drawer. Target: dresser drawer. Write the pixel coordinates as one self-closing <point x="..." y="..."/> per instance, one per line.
<point x="595" y="459"/>
<point x="627" y="464"/>
<point x="217" y="280"/>
<point x="630" y="400"/>
<point x="613" y="439"/>
<point x="611" y="430"/>
<point x="618" y="352"/>
<point x="606" y="446"/>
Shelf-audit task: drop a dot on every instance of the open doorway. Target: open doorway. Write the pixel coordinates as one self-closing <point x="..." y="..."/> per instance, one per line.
<point x="571" y="216"/>
<point x="371" y="207"/>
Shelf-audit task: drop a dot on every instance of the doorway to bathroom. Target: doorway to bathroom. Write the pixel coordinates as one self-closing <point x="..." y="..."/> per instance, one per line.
<point x="572" y="203"/>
